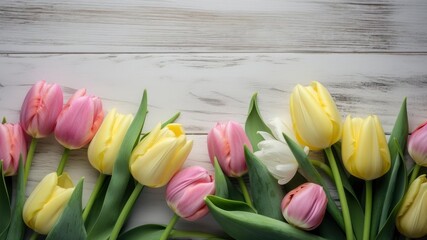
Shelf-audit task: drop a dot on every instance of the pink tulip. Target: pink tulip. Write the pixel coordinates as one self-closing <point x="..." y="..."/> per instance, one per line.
<point x="79" y="120"/>
<point x="305" y="206"/>
<point x="12" y="145"/>
<point x="417" y="145"/>
<point x="225" y="142"/>
<point x="187" y="190"/>
<point x="41" y="108"/>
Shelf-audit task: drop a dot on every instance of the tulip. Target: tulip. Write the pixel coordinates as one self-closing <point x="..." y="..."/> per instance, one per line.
<point x="12" y="145"/>
<point x="105" y="145"/>
<point x="40" y="109"/>
<point x="305" y="206"/>
<point x="417" y="145"/>
<point x="226" y="143"/>
<point x="365" y="152"/>
<point x="79" y="120"/>
<point x="411" y="219"/>
<point x="315" y="117"/>
<point x="275" y="153"/>
<point x="187" y="190"/>
<point x="47" y="202"/>
<point x="160" y="155"/>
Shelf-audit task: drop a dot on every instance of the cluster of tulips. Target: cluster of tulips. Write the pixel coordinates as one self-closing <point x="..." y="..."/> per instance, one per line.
<point x="289" y="193"/>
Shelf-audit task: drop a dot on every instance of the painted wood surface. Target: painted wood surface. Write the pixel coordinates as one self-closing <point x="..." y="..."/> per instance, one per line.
<point x="205" y="59"/>
<point x="213" y="26"/>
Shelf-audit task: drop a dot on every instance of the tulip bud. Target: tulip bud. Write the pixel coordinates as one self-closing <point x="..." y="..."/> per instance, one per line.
<point x="305" y="206"/>
<point x="47" y="202"/>
<point x="226" y="142"/>
<point x="417" y="145"/>
<point x="275" y="153"/>
<point x="105" y="145"/>
<point x="12" y="145"/>
<point x="41" y="108"/>
<point x="160" y="155"/>
<point x="315" y="117"/>
<point x="187" y="190"/>
<point x="79" y="120"/>
<point x="365" y="152"/>
<point x="411" y="219"/>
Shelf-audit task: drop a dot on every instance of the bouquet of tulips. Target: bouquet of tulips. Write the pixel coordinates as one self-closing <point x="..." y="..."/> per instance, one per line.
<point x="314" y="155"/>
<point x="271" y="181"/>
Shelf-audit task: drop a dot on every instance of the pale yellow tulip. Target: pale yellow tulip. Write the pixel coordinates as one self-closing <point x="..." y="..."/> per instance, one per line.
<point x="104" y="147"/>
<point x="47" y="202"/>
<point x="365" y="152"/>
<point x="160" y="155"/>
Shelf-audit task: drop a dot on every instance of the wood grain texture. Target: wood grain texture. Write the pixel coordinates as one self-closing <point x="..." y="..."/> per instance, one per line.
<point x="213" y="26"/>
<point x="207" y="88"/>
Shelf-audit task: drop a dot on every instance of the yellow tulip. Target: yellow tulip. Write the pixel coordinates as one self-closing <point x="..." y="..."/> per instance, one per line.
<point x="160" y="155"/>
<point x="104" y="147"/>
<point x="315" y="117"/>
<point x="365" y="152"/>
<point x="411" y="219"/>
<point x="47" y="202"/>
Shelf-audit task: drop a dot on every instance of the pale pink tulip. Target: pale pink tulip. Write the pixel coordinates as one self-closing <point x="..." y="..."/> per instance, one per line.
<point x="305" y="206"/>
<point x="417" y="145"/>
<point x="225" y="142"/>
<point x="41" y="108"/>
<point x="187" y="190"/>
<point x="12" y="145"/>
<point x="79" y="120"/>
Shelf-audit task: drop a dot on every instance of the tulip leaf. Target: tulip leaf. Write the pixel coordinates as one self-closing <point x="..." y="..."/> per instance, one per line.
<point x="97" y="205"/>
<point x="16" y="228"/>
<point x="223" y="186"/>
<point x="4" y="205"/>
<point x="266" y="193"/>
<point x="115" y="195"/>
<point x="313" y="176"/>
<point x="238" y="221"/>
<point x="154" y="232"/>
<point x="70" y="224"/>
<point x="254" y="123"/>
<point x="329" y="228"/>
<point x="389" y="189"/>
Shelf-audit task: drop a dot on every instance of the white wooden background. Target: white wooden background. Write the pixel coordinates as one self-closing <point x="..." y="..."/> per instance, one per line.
<point x="205" y="59"/>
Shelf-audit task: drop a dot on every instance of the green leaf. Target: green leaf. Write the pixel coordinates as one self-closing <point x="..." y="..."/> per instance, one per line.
<point x="329" y="228"/>
<point x="146" y="232"/>
<point x="266" y="193"/>
<point x="97" y="205"/>
<point x="114" y="197"/>
<point x="389" y="189"/>
<point x="237" y="220"/>
<point x="254" y="123"/>
<point x="70" y="224"/>
<point x="4" y="205"/>
<point x="223" y="186"/>
<point x="16" y="229"/>
<point x="314" y="176"/>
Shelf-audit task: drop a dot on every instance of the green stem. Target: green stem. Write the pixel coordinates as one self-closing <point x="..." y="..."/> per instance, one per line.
<point x="414" y="173"/>
<point x="34" y="236"/>
<point x="30" y="157"/>
<point x="94" y="195"/>
<point x="169" y="227"/>
<point x="64" y="159"/>
<point x="368" y="210"/>
<point x="325" y="168"/>
<point x="341" y="194"/>
<point x="125" y="211"/>
<point x="245" y="191"/>
<point x="191" y="234"/>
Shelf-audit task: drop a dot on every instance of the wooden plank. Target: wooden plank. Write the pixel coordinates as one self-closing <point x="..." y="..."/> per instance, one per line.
<point x="213" y="26"/>
<point x="207" y="88"/>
